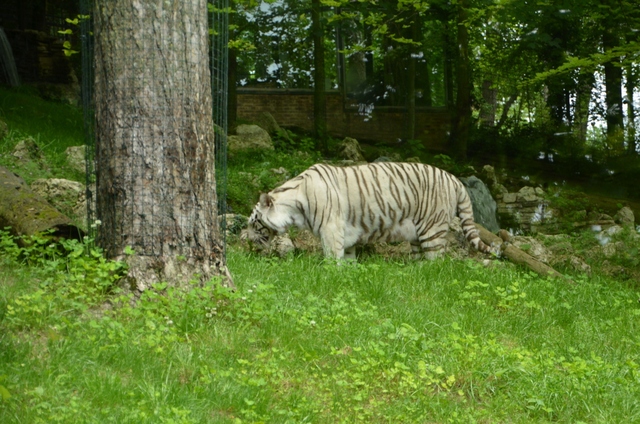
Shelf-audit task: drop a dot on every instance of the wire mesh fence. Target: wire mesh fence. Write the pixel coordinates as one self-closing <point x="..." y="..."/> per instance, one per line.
<point x="153" y="183"/>
<point x="219" y="24"/>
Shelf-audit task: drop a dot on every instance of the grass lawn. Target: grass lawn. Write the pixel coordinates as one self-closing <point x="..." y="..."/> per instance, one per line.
<point x="303" y="340"/>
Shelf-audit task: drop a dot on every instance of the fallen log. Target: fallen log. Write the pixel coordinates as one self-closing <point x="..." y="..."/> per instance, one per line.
<point x="27" y="213"/>
<point x="519" y="256"/>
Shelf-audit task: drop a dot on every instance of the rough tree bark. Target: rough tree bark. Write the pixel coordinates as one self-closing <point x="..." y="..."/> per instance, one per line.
<point x="155" y="140"/>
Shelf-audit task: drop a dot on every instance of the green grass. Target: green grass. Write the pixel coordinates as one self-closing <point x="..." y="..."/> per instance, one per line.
<point x="303" y="340"/>
<point x="54" y="126"/>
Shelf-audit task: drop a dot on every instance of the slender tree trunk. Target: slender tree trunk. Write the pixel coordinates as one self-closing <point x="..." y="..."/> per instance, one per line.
<point x="368" y="55"/>
<point x="232" y="99"/>
<point x="428" y="90"/>
<point x="319" y="89"/>
<point x="613" y="83"/>
<point x="462" y="115"/>
<point x="583" y="98"/>
<point x="155" y="140"/>
<point x="631" y="78"/>
<point x="490" y="106"/>
<point x="506" y="108"/>
<point x="449" y="59"/>
<point x="411" y="86"/>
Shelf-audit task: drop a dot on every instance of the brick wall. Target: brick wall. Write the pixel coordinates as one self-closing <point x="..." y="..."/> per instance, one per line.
<point x="294" y="108"/>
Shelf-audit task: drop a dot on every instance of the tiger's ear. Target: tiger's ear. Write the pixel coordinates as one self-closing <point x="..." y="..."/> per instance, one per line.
<point x="265" y="200"/>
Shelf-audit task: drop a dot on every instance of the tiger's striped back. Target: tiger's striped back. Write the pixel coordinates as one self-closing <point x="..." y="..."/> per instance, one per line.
<point x="347" y="206"/>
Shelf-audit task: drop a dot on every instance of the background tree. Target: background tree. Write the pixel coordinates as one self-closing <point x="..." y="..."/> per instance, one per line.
<point x="462" y="111"/>
<point x="155" y="140"/>
<point x="319" y="75"/>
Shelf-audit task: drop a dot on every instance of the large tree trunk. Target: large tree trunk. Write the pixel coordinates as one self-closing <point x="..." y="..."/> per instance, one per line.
<point x="155" y="140"/>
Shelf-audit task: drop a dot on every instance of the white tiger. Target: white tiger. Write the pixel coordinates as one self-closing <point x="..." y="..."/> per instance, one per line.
<point x="348" y="206"/>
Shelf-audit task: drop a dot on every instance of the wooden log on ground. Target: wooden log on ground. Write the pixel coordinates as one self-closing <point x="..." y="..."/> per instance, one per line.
<point x="519" y="256"/>
<point x="27" y="213"/>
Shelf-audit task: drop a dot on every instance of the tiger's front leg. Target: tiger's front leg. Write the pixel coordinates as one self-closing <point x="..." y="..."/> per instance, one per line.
<point x="332" y="239"/>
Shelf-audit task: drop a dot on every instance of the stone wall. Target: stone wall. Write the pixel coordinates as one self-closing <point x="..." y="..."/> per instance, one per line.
<point x="294" y="108"/>
<point x="526" y="210"/>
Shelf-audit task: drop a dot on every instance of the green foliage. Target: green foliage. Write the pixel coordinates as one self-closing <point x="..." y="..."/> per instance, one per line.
<point x="416" y="148"/>
<point x="289" y="142"/>
<point x="303" y="339"/>
<point x="252" y="173"/>
<point x="75" y="276"/>
<point x="66" y="45"/>
<point x="445" y="162"/>
<point x="571" y="206"/>
<point x="628" y="256"/>
<point x="623" y="259"/>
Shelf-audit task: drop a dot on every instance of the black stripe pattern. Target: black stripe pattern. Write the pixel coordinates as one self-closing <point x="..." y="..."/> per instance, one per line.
<point x="348" y="206"/>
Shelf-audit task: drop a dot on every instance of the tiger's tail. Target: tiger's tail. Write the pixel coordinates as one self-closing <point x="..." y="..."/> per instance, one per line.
<point x="465" y="213"/>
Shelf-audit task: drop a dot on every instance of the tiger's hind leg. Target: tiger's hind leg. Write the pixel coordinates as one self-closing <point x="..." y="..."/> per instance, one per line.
<point x="416" y="250"/>
<point x="433" y="241"/>
<point x="350" y="253"/>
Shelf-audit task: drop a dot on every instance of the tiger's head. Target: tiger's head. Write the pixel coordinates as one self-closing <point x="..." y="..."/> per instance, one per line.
<point x="257" y="230"/>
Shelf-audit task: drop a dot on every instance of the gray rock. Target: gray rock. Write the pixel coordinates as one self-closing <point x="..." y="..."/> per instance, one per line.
<point x="484" y="206"/>
<point x="527" y="194"/>
<point x="579" y="265"/>
<point x="282" y="244"/>
<point x="489" y="174"/>
<point x="69" y="197"/>
<point x="349" y="149"/>
<point x="28" y="150"/>
<point x="509" y="197"/>
<point x="267" y="122"/>
<point x="250" y="137"/>
<point x="625" y="217"/>
<point x="4" y="129"/>
<point x="76" y="158"/>
<point x="610" y="250"/>
<point x="391" y="157"/>
<point x="533" y="247"/>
